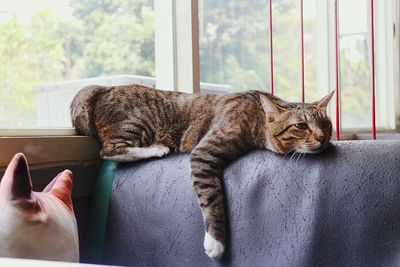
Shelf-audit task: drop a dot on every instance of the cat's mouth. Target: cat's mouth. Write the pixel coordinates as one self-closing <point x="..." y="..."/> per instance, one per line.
<point x="311" y="149"/>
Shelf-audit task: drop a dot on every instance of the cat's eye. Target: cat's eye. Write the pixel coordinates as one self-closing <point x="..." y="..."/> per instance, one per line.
<point x="325" y="124"/>
<point x="301" y="126"/>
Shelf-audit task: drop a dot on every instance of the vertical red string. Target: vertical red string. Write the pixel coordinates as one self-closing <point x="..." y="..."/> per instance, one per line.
<point x="337" y="73"/>
<point x="373" y="70"/>
<point x="302" y="50"/>
<point x="271" y="48"/>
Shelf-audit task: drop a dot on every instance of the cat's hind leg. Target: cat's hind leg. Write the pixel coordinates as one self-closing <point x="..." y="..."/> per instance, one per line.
<point x="123" y="151"/>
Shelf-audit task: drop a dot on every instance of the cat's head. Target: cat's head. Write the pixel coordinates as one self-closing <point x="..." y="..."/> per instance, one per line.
<point x="36" y="225"/>
<point x="297" y="127"/>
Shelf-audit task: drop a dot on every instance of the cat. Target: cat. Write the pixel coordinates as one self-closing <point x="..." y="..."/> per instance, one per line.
<point x="36" y="225"/>
<point x="135" y="122"/>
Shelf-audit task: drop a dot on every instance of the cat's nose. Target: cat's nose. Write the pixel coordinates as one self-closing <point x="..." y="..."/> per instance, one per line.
<point x="320" y="138"/>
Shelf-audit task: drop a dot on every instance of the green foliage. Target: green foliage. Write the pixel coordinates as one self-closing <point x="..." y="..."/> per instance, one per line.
<point x="234" y="47"/>
<point x="118" y="37"/>
<point x="29" y="54"/>
<point x="103" y="38"/>
<point x="356" y="89"/>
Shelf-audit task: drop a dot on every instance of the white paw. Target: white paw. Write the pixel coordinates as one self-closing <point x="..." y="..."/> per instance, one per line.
<point x="214" y="248"/>
<point x="161" y="150"/>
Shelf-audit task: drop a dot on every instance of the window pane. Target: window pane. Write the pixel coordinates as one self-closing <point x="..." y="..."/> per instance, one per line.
<point x="234" y="46"/>
<point x="355" y="64"/>
<point x="47" y="41"/>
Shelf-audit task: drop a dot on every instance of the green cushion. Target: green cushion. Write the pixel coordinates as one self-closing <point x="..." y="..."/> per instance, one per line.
<point x="92" y="249"/>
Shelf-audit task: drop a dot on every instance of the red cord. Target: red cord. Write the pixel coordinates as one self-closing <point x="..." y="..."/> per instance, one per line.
<point x="337" y="73"/>
<point x="302" y="51"/>
<point x="373" y="70"/>
<point x="270" y="47"/>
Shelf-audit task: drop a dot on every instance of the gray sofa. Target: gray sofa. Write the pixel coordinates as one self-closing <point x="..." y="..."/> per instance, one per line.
<point x="339" y="208"/>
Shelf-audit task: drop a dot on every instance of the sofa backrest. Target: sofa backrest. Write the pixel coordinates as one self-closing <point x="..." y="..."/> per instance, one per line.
<point x="341" y="207"/>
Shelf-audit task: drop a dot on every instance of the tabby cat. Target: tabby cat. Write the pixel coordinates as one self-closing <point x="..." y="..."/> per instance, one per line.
<point x="135" y="122"/>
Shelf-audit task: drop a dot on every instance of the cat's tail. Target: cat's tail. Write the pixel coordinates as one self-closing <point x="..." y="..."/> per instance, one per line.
<point x="81" y="109"/>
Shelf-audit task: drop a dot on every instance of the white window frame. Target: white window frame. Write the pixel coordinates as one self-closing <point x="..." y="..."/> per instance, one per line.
<point x="177" y="60"/>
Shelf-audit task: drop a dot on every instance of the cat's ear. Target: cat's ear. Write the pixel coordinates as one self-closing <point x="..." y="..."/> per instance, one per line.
<point x="323" y="103"/>
<point x="61" y="187"/>
<point x="271" y="108"/>
<point x="21" y="183"/>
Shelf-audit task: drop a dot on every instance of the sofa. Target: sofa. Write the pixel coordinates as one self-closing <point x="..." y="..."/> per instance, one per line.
<point x="337" y="208"/>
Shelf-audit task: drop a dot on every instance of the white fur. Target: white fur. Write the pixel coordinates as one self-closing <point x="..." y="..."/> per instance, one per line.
<point x="50" y="235"/>
<point x="139" y="153"/>
<point x="214" y="248"/>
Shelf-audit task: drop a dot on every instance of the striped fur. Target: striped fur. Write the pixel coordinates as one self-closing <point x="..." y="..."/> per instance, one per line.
<point x="135" y="122"/>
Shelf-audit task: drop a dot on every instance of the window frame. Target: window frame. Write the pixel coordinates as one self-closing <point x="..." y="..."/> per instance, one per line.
<point x="177" y="45"/>
<point x="50" y="150"/>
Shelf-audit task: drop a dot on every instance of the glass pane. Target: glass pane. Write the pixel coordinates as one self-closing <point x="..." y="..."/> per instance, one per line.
<point x="234" y="46"/>
<point x="45" y="41"/>
<point x="355" y="64"/>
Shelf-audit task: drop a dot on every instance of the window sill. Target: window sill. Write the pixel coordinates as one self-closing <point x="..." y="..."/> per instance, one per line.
<point x="48" y="150"/>
<point x="38" y="132"/>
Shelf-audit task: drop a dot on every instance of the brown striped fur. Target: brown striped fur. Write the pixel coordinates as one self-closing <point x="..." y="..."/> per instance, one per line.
<point x="135" y="122"/>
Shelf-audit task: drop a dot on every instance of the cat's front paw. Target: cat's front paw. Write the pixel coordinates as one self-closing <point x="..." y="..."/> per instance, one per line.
<point x="214" y="248"/>
<point x="160" y="151"/>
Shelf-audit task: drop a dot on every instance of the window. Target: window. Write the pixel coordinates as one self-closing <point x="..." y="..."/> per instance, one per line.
<point x="48" y="50"/>
<point x="47" y="42"/>
<point x="355" y="63"/>
<point x="234" y="51"/>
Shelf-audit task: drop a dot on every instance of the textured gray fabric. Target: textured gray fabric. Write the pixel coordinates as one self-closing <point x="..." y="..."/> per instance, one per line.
<point x="339" y="208"/>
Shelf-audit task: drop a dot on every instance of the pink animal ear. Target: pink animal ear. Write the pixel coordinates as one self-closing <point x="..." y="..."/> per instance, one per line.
<point x="21" y="184"/>
<point x="62" y="188"/>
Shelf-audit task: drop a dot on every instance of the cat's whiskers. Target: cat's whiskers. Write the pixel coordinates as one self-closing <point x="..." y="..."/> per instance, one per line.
<point x="300" y="156"/>
<point x="296" y="156"/>
<point x="287" y="153"/>
<point x="295" y="153"/>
